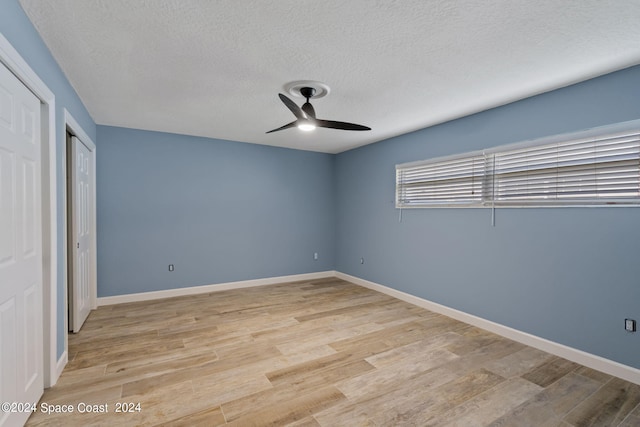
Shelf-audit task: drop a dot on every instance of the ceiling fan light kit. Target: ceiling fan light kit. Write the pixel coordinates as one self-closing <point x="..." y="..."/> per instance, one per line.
<point x="306" y="125"/>
<point x="306" y="119"/>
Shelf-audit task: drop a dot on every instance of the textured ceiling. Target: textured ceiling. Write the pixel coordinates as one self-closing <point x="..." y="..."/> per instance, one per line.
<point x="214" y="68"/>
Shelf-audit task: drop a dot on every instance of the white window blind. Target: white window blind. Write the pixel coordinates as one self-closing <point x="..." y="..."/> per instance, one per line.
<point x="602" y="170"/>
<point x="596" y="167"/>
<point x="455" y="181"/>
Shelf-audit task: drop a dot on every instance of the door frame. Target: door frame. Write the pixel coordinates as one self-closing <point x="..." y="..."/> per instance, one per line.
<point x="19" y="67"/>
<point x="74" y="128"/>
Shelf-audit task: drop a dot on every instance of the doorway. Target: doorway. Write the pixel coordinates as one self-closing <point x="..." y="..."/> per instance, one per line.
<point x="81" y="226"/>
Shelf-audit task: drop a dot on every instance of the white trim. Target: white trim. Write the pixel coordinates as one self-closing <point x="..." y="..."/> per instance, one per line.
<point x="62" y="362"/>
<point x="77" y="130"/>
<point x="194" y="290"/>
<point x="14" y="62"/>
<point x="587" y="359"/>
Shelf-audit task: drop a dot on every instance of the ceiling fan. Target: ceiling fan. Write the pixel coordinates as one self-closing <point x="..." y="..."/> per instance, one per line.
<point x="306" y="116"/>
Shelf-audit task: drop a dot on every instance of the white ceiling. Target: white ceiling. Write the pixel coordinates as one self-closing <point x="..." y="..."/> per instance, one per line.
<point x="214" y="68"/>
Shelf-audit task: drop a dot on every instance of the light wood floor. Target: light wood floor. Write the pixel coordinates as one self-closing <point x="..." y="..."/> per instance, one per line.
<point x="319" y="353"/>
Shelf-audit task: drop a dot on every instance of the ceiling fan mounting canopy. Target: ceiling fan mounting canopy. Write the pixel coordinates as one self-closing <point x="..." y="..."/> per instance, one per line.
<point x="307" y="92"/>
<point x="293" y="89"/>
<point x="306" y="115"/>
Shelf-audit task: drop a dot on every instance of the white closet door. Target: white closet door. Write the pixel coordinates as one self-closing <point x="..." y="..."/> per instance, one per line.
<point x="81" y="201"/>
<point x="21" y="345"/>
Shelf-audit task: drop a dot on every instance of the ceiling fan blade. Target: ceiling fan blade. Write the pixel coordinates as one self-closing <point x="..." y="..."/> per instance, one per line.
<point x="292" y="106"/>
<point x="287" y="126"/>
<point x="332" y="124"/>
<point x="308" y="110"/>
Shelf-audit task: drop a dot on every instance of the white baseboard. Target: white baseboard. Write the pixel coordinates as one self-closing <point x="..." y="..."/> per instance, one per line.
<point x="194" y="290"/>
<point x="62" y="362"/>
<point x="610" y="367"/>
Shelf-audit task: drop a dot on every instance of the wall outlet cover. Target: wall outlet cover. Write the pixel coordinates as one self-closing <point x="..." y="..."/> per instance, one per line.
<point x="630" y="325"/>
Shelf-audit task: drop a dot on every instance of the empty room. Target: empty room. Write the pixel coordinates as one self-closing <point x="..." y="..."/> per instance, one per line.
<point x="319" y="213"/>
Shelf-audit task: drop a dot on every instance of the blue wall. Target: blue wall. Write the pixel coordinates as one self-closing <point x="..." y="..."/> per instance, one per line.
<point x="219" y="211"/>
<point x="18" y="30"/>
<point x="570" y="275"/>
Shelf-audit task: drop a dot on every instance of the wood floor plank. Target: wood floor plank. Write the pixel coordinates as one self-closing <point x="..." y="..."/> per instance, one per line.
<point x="170" y="358"/>
<point x="388" y="379"/>
<point x="319" y="353"/>
<point x="291" y="333"/>
<point x="96" y="341"/>
<point x="610" y="405"/>
<point x="311" y="341"/>
<point x="80" y="394"/>
<point x="135" y="350"/>
<point x="226" y="387"/>
<point x="400" y="334"/>
<point x="73" y="376"/>
<point x="250" y="402"/>
<point x="488" y="406"/>
<point x="352" y="309"/>
<point x="87" y="384"/>
<point x="307" y="354"/>
<point x="160" y="404"/>
<point x="550" y="405"/>
<point x="417" y="352"/>
<point x="219" y="340"/>
<point x="633" y="419"/>
<point x="305" y="422"/>
<point x="601" y="377"/>
<point x="550" y="371"/>
<point x="339" y="365"/>
<point x="208" y="417"/>
<point x="420" y="407"/>
<point x="292" y="410"/>
<point x="470" y="361"/>
<point x="518" y="363"/>
<point x="147" y="384"/>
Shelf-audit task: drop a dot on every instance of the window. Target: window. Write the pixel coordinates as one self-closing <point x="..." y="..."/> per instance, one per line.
<point x="453" y="181"/>
<point x="591" y="168"/>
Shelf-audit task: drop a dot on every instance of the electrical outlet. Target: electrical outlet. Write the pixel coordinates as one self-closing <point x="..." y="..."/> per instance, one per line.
<point x="315" y="255"/>
<point x="361" y="260"/>
<point x="629" y="325"/>
<point x="170" y="267"/>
